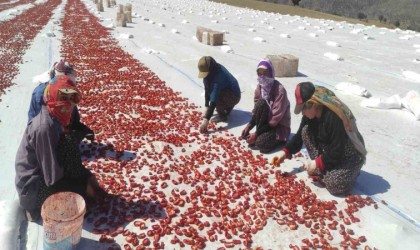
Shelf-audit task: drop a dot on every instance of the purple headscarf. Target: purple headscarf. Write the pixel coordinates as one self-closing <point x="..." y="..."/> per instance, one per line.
<point x="266" y="64"/>
<point x="265" y="82"/>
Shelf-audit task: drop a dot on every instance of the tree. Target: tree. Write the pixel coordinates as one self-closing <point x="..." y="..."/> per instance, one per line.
<point x="381" y="18"/>
<point x="397" y="23"/>
<point x="361" y="16"/>
<point x="295" y="2"/>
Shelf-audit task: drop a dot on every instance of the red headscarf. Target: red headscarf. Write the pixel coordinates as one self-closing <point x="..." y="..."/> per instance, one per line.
<point x="59" y="107"/>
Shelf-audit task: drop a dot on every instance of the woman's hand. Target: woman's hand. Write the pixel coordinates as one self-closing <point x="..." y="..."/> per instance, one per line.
<point x="252" y="138"/>
<point x="203" y="126"/>
<point x="245" y="132"/>
<point x="277" y="160"/>
<point x="310" y="166"/>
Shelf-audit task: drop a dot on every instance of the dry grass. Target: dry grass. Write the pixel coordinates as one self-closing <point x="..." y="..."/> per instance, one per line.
<point x="292" y="10"/>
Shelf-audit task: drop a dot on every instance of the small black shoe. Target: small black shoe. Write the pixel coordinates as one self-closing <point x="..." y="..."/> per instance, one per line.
<point x="219" y="118"/>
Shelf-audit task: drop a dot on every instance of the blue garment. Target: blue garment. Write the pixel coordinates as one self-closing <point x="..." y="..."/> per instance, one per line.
<point x="37" y="101"/>
<point x="223" y="80"/>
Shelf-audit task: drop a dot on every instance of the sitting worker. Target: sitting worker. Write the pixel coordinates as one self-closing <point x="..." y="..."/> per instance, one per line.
<point x="48" y="159"/>
<point x="329" y="132"/>
<point x="221" y="88"/>
<point x="60" y="68"/>
<point x="271" y="114"/>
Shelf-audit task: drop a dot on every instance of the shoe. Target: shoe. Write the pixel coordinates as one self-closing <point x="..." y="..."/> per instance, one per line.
<point x="32" y="216"/>
<point x="227" y="111"/>
<point x="219" y="118"/>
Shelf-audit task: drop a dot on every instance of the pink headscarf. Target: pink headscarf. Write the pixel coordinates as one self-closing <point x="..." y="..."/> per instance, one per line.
<point x="58" y="108"/>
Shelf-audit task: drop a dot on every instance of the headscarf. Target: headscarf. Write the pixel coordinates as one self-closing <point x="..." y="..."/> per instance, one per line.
<point x="58" y="108"/>
<point x="63" y="68"/>
<point x="266" y="83"/>
<point x="327" y="98"/>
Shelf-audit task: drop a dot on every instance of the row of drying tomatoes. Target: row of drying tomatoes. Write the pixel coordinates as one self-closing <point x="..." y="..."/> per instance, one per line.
<point x="173" y="185"/>
<point x="16" y="37"/>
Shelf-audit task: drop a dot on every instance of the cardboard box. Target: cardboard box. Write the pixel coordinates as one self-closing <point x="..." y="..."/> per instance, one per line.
<point x="205" y="38"/>
<point x="284" y="65"/>
<point x="199" y="33"/>
<point x="209" y="37"/>
<point x="216" y="38"/>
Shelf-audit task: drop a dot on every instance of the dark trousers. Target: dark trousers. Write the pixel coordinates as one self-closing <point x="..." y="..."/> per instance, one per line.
<point x="266" y="135"/>
<point x="226" y="102"/>
<point x="75" y="174"/>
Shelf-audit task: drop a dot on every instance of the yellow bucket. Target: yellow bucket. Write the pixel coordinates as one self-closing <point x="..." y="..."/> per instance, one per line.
<point x="62" y="214"/>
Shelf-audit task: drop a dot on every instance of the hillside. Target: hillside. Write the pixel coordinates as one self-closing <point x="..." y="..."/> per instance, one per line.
<point x="402" y="13"/>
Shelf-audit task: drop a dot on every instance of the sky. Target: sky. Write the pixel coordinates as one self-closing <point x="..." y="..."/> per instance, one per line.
<point x="380" y="61"/>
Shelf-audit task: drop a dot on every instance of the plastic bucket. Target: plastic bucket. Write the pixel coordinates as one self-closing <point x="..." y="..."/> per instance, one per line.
<point x="62" y="214"/>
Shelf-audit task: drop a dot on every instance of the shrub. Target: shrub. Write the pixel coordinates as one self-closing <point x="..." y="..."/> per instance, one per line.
<point x="361" y="16"/>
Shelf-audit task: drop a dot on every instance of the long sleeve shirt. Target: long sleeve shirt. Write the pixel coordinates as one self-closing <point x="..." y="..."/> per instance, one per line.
<point x="280" y="110"/>
<point x="36" y="157"/>
<point x="37" y="101"/>
<point x="222" y="80"/>
<point x="328" y="130"/>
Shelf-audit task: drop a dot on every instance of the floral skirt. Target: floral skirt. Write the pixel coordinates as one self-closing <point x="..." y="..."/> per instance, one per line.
<point x="340" y="179"/>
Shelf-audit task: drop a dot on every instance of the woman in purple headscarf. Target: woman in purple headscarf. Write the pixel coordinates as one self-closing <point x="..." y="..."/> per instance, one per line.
<point x="271" y="114"/>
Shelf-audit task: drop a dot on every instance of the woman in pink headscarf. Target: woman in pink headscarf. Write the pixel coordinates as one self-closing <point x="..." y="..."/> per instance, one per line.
<point x="48" y="159"/>
<point x="271" y="114"/>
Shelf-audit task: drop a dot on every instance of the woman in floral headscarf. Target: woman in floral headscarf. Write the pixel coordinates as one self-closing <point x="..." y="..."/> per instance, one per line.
<point x="271" y="114"/>
<point x="329" y="132"/>
<point x="48" y="159"/>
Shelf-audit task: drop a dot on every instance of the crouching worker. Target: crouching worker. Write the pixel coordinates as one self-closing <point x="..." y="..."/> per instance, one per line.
<point x="329" y="132"/>
<point x="221" y="89"/>
<point x="60" y="68"/>
<point x="48" y="159"/>
<point x="271" y="114"/>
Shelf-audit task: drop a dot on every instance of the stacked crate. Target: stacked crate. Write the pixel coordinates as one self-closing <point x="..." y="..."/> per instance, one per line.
<point x="209" y="37"/>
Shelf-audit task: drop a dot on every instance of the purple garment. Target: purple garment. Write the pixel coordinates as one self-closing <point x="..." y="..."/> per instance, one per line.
<point x="36" y="158"/>
<point x="266" y="82"/>
<point x="266" y="64"/>
<point x="280" y="110"/>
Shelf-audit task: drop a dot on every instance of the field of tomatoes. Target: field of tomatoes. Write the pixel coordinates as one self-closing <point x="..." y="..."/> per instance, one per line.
<point x="16" y="36"/>
<point x="171" y="186"/>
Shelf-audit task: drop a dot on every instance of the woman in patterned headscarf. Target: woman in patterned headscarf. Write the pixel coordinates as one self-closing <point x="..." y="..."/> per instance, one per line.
<point x="271" y="114"/>
<point x="329" y="132"/>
